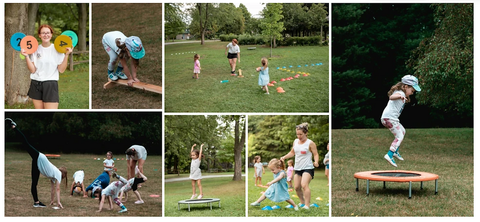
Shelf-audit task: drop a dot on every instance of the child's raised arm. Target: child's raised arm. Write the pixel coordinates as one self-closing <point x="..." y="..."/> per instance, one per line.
<point x="200" y="155"/>
<point x="193" y="147"/>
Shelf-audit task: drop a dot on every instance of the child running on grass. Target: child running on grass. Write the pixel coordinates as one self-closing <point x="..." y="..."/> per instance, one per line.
<point x="399" y="95"/>
<point x="290" y="173"/>
<point x="259" y="170"/>
<point x="195" y="172"/>
<point x="278" y="188"/>
<point x="111" y="192"/>
<point x="263" y="77"/>
<point x="196" y="66"/>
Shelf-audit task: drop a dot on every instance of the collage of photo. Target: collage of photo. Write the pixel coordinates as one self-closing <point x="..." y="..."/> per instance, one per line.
<point x="238" y="110"/>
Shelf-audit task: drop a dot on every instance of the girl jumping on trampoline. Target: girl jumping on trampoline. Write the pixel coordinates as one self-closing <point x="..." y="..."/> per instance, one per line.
<point x="41" y="165"/>
<point x="399" y="95"/>
<point x="195" y="172"/>
<point x="111" y="192"/>
<point x="259" y="170"/>
<point x="278" y="188"/>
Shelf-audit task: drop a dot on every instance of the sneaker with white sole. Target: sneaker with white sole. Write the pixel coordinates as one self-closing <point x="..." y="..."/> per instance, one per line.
<point x="397" y="155"/>
<point x="121" y="75"/>
<point x="306" y="207"/>
<point x="255" y="204"/>
<point x="112" y="76"/>
<point x="296" y="208"/>
<point x="193" y="196"/>
<point x="139" y="202"/>
<point x="123" y="210"/>
<point x="390" y="160"/>
<point x="200" y="196"/>
<point x="39" y="204"/>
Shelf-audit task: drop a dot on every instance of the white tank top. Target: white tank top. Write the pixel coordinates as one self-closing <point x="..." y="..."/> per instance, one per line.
<point x="303" y="156"/>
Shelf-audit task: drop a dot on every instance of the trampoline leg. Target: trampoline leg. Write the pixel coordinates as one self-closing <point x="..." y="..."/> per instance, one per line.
<point x="357" y="185"/>
<point x="178" y="206"/>
<point x="218" y="204"/>
<point x="188" y="207"/>
<point x="384" y="187"/>
<point x="368" y="187"/>
<point x="210" y="205"/>
<point x="410" y="190"/>
<point x="436" y="186"/>
<point x="421" y="185"/>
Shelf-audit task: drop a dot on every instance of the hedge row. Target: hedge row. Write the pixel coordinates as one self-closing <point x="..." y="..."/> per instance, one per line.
<point x="259" y="40"/>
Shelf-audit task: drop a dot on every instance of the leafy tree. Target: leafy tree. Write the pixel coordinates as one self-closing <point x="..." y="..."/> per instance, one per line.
<point x="174" y="20"/>
<point x="443" y="62"/>
<point x="271" y="25"/>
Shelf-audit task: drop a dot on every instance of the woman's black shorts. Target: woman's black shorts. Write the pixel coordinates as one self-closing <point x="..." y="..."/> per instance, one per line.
<point x="232" y="55"/>
<point x="309" y="171"/>
<point x="46" y="91"/>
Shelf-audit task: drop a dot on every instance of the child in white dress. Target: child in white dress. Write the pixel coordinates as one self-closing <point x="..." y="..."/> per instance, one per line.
<point x="259" y="170"/>
<point x="195" y="172"/>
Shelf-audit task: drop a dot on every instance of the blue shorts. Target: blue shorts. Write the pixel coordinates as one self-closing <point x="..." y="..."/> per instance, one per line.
<point x="327" y="166"/>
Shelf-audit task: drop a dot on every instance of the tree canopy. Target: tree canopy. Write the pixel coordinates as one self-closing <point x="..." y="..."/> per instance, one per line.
<point x="88" y="132"/>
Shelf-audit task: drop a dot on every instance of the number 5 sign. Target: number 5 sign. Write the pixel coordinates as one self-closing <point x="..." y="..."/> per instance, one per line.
<point x="29" y="44"/>
<point x="62" y="42"/>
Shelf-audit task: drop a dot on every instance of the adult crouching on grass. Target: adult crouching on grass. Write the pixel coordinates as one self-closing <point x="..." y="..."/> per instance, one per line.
<point x="233" y="53"/>
<point x="303" y="149"/>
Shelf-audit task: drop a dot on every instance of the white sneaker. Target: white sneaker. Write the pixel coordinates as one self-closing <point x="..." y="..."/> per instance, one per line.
<point x="193" y="196"/>
<point x="397" y="155"/>
<point x="390" y="160"/>
<point x="139" y="202"/>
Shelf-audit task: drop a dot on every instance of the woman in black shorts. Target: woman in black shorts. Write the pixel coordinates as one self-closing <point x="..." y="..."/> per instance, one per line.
<point x="233" y="53"/>
<point x="44" y="66"/>
<point x="303" y="150"/>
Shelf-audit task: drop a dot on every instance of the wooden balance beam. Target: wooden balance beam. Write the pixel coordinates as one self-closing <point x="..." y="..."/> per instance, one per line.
<point x="138" y="85"/>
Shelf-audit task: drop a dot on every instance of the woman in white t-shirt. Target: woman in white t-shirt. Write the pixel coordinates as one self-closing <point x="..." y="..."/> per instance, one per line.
<point x="44" y="66"/>
<point x="399" y="95"/>
<point x="303" y="150"/>
<point x="135" y="154"/>
<point x="233" y="53"/>
<point x="41" y="165"/>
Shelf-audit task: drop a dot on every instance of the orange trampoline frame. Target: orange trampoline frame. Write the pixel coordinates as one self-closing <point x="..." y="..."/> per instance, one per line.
<point x="417" y="177"/>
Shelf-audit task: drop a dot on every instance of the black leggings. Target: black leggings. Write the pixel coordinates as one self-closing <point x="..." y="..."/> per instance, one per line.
<point x="34" y="153"/>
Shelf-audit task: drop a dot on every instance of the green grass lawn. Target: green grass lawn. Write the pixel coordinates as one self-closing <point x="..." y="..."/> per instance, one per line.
<point x="73" y="87"/>
<point x="231" y="195"/>
<point x="319" y="195"/>
<point x="207" y="94"/>
<point x="19" y="200"/>
<point x="445" y="152"/>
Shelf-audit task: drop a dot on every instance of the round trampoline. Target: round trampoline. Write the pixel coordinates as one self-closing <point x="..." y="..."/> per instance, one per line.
<point x="397" y="176"/>
<point x="199" y="201"/>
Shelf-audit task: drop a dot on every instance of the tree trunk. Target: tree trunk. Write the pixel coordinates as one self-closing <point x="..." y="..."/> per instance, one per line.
<point x="32" y="17"/>
<point x="239" y="144"/>
<point x="17" y="78"/>
<point x="203" y="26"/>
<point x="82" y="26"/>
<point x="270" y="47"/>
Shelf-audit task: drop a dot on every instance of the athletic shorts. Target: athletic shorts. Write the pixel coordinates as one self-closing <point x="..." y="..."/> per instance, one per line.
<point x="309" y="171"/>
<point x="46" y="91"/>
<point x="232" y="55"/>
<point x="327" y="166"/>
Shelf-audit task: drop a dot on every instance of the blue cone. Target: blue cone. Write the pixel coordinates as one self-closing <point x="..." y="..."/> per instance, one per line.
<point x="267" y="208"/>
<point x="313" y="205"/>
